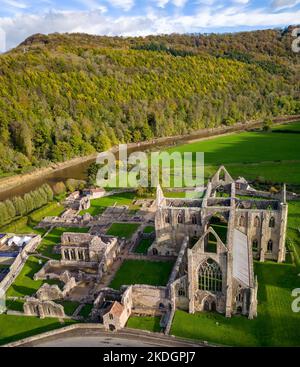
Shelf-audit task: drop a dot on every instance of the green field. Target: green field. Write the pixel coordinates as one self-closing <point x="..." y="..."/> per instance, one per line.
<point x="268" y="155"/>
<point x="144" y="323"/>
<point x="24" y="285"/>
<point x="99" y="205"/>
<point x="53" y="238"/>
<point x="142" y="272"/>
<point x="122" y="229"/>
<point x="295" y="126"/>
<point x="18" y="327"/>
<point x="276" y="324"/>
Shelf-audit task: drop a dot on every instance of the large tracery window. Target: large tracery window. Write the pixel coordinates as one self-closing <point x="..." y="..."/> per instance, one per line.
<point x="210" y="276"/>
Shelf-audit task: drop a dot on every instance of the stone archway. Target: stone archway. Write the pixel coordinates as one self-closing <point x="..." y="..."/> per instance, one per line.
<point x="112" y="327"/>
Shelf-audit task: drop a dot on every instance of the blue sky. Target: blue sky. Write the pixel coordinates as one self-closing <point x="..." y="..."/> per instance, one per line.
<point x="21" y="18"/>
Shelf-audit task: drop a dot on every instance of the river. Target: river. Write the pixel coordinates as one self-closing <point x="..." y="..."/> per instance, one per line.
<point x="79" y="170"/>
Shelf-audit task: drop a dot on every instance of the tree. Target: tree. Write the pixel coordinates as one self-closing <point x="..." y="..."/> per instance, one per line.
<point x="29" y="203"/>
<point x="4" y="216"/>
<point x="10" y="209"/>
<point x="19" y="205"/>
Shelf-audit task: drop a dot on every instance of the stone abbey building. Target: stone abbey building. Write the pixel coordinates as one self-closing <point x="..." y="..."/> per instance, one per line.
<point x="217" y="236"/>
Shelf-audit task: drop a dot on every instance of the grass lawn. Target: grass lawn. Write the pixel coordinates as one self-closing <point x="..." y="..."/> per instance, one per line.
<point x="99" y="205"/>
<point x="276" y="324"/>
<point x="142" y="272"/>
<point x="122" y="229"/>
<point x="15" y="305"/>
<point x="149" y="229"/>
<point x="143" y="246"/>
<point x="144" y="323"/>
<point x="53" y="238"/>
<point x="86" y="310"/>
<point x="69" y="306"/>
<point x="24" y="285"/>
<point x="14" y="328"/>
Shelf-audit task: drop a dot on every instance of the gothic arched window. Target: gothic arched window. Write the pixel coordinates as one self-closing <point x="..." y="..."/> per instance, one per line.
<point x="270" y="246"/>
<point x="180" y="218"/>
<point x="194" y="219"/>
<point x="210" y="276"/>
<point x="254" y="245"/>
<point x="181" y="292"/>
<point x="272" y="222"/>
<point x="167" y="218"/>
<point x="256" y="221"/>
<point x="242" y="221"/>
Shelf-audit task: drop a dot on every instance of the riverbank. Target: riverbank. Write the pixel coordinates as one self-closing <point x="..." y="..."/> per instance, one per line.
<point x="17" y="184"/>
<point x="17" y="180"/>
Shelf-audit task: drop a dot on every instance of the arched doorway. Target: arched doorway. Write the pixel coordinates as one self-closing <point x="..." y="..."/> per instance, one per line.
<point x="112" y="327"/>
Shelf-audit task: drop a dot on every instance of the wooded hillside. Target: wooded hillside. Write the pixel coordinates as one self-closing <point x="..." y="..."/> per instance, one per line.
<point x="69" y="95"/>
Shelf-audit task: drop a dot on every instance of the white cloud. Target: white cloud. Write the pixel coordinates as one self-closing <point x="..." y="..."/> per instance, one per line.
<point x="283" y="4"/>
<point x="15" y="4"/>
<point x="123" y="4"/>
<point x="91" y="4"/>
<point x="161" y="3"/>
<point x="19" y="27"/>
<point x="179" y="3"/>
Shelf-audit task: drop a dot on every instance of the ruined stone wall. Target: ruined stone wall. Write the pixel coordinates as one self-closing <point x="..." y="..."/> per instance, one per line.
<point x="42" y="309"/>
<point x="146" y="298"/>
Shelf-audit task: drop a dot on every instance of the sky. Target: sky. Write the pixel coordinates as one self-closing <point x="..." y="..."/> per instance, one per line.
<point x="22" y="18"/>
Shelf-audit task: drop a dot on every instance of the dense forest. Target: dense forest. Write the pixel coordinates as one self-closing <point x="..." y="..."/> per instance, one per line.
<point x="67" y="95"/>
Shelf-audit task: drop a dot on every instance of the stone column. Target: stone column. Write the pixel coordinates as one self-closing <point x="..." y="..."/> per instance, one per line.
<point x="191" y="285"/>
<point x="263" y="239"/>
<point x="282" y="236"/>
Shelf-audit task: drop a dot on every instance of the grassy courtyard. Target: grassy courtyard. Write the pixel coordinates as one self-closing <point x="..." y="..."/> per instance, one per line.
<point x="99" y="205"/>
<point x="143" y="246"/>
<point x="24" y="285"/>
<point x="122" y="229"/>
<point x="142" y="272"/>
<point x="144" y="323"/>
